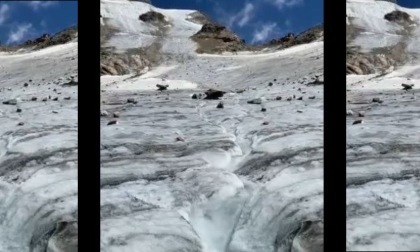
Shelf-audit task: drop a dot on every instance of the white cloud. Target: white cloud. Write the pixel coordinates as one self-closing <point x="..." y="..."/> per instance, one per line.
<point x="19" y="33"/>
<point x="285" y="3"/>
<point x="4" y="13"/>
<point x="41" y="4"/>
<point x="244" y="16"/>
<point x="267" y="30"/>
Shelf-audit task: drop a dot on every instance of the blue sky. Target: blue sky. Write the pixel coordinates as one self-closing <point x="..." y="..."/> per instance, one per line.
<point x="256" y="21"/>
<point x="409" y="3"/>
<point x="23" y="20"/>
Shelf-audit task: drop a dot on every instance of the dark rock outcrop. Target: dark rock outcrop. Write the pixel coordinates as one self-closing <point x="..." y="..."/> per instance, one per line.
<point x="217" y="38"/>
<point x="152" y="16"/>
<point x="305" y="37"/>
<point x="59" y="38"/>
<point x="118" y="64"/>
<point x="398" y="16"/>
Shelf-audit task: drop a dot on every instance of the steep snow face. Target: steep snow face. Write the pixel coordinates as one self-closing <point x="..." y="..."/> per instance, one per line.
<point x="178" y="174"/>
<point x="377" y="32"/>
<point x="123" y="15"/>
<point x="38" y="160"/>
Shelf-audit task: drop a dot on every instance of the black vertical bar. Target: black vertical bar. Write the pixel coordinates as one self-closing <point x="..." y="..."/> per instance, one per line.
<point x="335" y="125"/>
<point x="89" y="127"/>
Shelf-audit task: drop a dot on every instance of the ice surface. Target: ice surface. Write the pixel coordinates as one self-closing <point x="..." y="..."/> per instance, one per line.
<point x="383" y="160"/>
<point x="233" y="184"/>
<point x="178" y="174"/>
<point x="38" y="161"/>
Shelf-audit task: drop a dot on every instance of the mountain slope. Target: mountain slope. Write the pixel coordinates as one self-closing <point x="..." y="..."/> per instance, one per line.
<point x="38" y="149"/>
<point x="378" y="36"/>
<point x="383" y="192"/>
<point x="180" y="174"/>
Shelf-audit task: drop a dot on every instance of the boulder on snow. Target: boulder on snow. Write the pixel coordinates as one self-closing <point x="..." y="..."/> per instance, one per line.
<point x="213" y="94"/>
<point x="131" y="100"/>
<point x="112" y="122"/>
<point x="407" y="86"/>
<point x="72" y="82"/>
<point x="357" y="122"/>
<point x="255" y="101"/>
<point x="12" y="101"/>
<point x="162" y="87"/>
<point x="378" y="100"/>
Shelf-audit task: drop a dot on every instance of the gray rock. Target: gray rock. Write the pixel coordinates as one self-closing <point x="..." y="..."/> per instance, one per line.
<point x="162" y="87"/>
<point x="112" y="122"/>
<point x="12" y="101"/>
<point x="255" y="101"/>
<point x="131" y="100"/>
<point x="407" y="86"/>
<point x="212" y="94"/>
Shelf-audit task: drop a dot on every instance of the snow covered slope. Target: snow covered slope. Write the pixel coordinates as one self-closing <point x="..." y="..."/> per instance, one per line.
<point x="233" y="184"/>
<point x="376" y="31"/>
<point x="38" y="150"/>
<point x="383" y="154"/>
<point x="179" y="174"/>
<point x="123" y="15"/>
